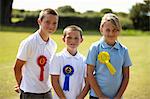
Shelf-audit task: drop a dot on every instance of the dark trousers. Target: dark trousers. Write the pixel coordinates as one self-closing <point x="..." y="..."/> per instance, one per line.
<point x="91" y="97"/>
<point x="27" y="95"/>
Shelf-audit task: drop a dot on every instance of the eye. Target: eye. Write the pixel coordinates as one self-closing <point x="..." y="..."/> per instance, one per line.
<point x="76" y="38"/>
<point x="47" y="22"/>
<point x="69" y="37"/>
<point x="115" y="30"/>
<point x="107" y="30"/>
<point x="54" y="23"/>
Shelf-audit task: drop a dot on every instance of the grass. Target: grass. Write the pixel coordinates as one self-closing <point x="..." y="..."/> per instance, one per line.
<point x="86" y="32"/>
<point x="139" y="47"/>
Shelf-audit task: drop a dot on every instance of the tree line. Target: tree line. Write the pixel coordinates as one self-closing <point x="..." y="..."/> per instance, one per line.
<point x="138" y="18"/>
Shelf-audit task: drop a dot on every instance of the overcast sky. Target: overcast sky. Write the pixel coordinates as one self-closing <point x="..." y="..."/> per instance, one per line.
<point x="78" y="5"/>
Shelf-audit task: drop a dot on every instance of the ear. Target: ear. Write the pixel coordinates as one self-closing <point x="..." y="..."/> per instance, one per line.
<point x="39" y="21"/>
<point x="63" y="38"/>
<point x="101" y="30"/>
<point x="81" y="39"/>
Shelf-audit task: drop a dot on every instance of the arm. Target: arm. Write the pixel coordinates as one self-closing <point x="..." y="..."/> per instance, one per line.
<point x="57" y="87"/>
<point x="93" y="83"/>
<point x="18" y="73"/>
<point x="124" y="83"/>
<point x="85" y="90"/>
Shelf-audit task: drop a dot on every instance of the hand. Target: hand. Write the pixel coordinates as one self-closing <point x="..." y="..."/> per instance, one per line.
<point x="17" y="88"/>
<point x="79" y="97"/>
<point x="117" y="97"/>
<point x="62" y="97"/>
<point x="103" y="97"/>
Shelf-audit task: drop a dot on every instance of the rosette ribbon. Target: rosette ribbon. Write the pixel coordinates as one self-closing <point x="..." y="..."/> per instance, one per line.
<point x="41" y="61"/>
<point x="104" y="58"/>
<point x="68" y="71"/>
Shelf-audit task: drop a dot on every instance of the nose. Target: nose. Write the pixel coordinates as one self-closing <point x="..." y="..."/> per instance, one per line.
<point x="111" y="33"/>
<point x="51" y="26"/>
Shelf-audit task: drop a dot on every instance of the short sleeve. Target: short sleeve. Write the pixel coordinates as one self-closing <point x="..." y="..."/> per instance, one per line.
<point x="92" y="55"/>
<point x="54" y="66"/>
<point x="127" y="60"/>
<point x="24" y="50"/>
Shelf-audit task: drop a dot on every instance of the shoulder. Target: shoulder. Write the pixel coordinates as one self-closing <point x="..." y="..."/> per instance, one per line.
<point x="123" y="47"/>
<point x="81" y="55"/>
<point x="28" y="41"/>
<point x="95" y="45"/>
<point x="31" y="38"/>
<point x="53" y="42"/>
<point x="59" y="55"/>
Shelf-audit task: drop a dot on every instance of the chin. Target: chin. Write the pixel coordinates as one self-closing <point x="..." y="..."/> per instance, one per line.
<point x="50" y="32"/>
<point x="73" y="47"/>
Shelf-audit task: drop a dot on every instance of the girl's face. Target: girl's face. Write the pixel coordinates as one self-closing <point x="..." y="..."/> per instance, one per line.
<point x="72" y="39"/>
<point x="110" y="32"/>
<point x="49" y="23"/>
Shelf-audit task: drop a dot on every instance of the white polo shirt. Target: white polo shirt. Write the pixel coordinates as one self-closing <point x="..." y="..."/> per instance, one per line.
<point x="76" y="80"/>
<point x="30" y="49"/>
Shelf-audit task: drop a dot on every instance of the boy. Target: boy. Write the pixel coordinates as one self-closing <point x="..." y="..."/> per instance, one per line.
<point x="68" y="67"/>
<point x="34" y="54"/>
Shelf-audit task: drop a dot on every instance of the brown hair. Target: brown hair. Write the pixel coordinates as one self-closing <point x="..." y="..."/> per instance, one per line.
<point x="47" y="11"/>
<point x="72" y="28"/>
<point x="113" y="19"/>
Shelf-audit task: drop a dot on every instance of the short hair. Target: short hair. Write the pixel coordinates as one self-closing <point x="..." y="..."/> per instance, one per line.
<point x="113" y="19"/>
<point x="47" y="11"/>
<point x="72" y="28"/>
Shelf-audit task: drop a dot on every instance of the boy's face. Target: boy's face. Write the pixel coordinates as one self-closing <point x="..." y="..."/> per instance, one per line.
<point x="72" y="39"/>
<point x="49" y="23"/>
<point x="110" y="32"/>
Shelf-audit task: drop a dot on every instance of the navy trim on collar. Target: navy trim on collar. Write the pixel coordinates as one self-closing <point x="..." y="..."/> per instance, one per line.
<point x="68" y="55"/>
<point x="40" y="40"/>
<point x="105" y="45"/>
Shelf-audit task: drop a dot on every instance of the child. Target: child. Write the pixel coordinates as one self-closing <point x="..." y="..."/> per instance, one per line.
<point x="68" y="67"/>
<point x="31" y="68"/>
<point x="109" y="61"/>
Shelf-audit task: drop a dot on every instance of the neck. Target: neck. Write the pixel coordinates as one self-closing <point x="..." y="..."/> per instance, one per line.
<point x="73" y="52"/>
<point x="43" y="35"/>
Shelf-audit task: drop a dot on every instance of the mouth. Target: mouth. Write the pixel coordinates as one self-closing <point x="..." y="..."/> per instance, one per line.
<point x="73" y="44"/>
<point x="50" y="31"/>
<point x="110" y="36"/>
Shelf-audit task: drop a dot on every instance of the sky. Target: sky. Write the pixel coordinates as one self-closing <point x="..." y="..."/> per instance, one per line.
<point x="78" y="5"/>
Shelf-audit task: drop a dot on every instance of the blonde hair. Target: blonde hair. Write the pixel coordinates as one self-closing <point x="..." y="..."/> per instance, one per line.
<point x="47" y="11"/>
<point x="72" y="28"/>
<point x="113" y="19"/>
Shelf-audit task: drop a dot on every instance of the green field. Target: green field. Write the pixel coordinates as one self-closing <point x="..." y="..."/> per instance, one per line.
<point x="139" y="49"/>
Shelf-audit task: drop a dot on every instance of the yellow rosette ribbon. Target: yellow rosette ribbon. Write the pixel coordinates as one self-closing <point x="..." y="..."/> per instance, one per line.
<point x="104" y="58"/>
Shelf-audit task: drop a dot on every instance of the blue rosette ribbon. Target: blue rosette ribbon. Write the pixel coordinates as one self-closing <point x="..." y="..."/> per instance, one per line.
<point x="68" y="71"/>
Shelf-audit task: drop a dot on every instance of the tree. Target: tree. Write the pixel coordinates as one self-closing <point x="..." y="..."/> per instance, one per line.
<point x="5" y="11"/>
<point x="106" y="10"/>
<point x="66" y="9"/>
<point x="140" y="15"/>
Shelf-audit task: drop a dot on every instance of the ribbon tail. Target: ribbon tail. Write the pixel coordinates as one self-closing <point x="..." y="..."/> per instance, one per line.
<point x="66" y="83"/>
<point x="111" y="68"/>
<point x="42" y="74"/>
